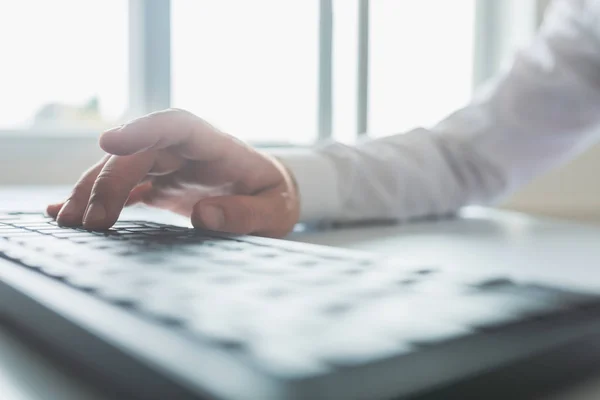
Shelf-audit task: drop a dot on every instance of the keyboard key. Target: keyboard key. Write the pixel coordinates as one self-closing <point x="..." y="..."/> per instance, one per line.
<point x="85" y="279"/>
<point x="169" y="309"/>
<point x="544" y="300"/>
<point x="475" y="310"/>
<point x="88" y="239"/>
<point x="265" y="289"/>
<point x="425" y="271"/>
<point x="228" y="257"/>
<point x="233" y="246"/>
<point x="41" y="243"/>
<point x="305" y="262"/>
<point x="346" y="344"/>
<point x="135" y="228"/>
<point x="266" y="253"/>
<point x="162" y="233"/>
<point x="494" y="283"/>
<point x="217" y="328"/>
<point x="317" y="278"/>
<point x="222" y="318"/>
<point x="395" y="316"/>
<point x="284" y="359"/>
<point x="290" y="317"/>
<point x="57" y="270"/>
<point x="25" y="219"/>
<point x="34" y="224"/>
<point x="123" y="288"/>
<point x="49" y="229"/>
<point x="72" y="234"/>
<point x="19" y="234"/>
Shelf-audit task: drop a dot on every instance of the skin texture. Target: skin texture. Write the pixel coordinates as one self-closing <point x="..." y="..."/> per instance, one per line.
<point x="175" y="160"/>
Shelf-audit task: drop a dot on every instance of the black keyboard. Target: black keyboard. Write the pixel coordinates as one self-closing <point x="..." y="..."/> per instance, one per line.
<point x="167" y="312"/>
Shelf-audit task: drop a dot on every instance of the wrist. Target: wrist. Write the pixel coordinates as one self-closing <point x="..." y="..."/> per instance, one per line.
<point x="291" y="191"/>
<point x="317" y="190"/>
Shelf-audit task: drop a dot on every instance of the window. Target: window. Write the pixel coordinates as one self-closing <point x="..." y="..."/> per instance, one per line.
<point x="248" y="67"/>
<point x="64" y="64"/>
<point x="251" y="67"/>
<point x="421" y="62"/>
<point x="268" y="71"/>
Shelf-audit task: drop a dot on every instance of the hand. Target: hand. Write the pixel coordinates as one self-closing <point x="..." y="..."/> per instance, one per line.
<point x="174" y="160"/>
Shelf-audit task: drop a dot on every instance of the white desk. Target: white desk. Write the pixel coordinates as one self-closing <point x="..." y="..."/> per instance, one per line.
<point x="524" y="246"/>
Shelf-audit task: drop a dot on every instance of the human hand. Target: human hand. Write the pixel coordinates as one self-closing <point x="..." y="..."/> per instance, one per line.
<point x="174" y="160"/>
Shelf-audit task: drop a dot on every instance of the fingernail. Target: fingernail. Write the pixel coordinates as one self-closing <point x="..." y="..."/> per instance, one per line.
<point x="212" y="217"/>
<point x="67" y="211"/>
<point x="95" y="213"/>
<point x="64" y="209"/>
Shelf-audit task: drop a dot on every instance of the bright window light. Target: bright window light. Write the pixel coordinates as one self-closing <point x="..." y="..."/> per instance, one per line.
<point x="64" y="64"/>
<point x="248" y="67"/>
<point x="421" y="64"/>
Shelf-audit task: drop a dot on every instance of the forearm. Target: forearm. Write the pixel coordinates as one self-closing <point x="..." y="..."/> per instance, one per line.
<point x="397" y="178"/>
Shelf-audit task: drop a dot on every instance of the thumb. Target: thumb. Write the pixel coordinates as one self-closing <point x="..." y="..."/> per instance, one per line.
<point x="266" y="214"/>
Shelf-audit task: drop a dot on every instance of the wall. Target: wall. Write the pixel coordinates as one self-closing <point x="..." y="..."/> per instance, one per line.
<point x="571" y="191"/>
<point x="45" y="160"/>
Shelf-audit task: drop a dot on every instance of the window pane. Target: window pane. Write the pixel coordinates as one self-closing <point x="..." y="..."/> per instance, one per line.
<point x="345" y="74"/>
<point x="64" y="63"/>
<point x="248" y="67"/>
<point x="421" y="61"/>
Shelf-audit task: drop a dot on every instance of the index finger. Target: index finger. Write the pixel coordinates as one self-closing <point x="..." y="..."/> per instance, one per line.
<point x="196" y="138"/>
<point x="112" y="187"/>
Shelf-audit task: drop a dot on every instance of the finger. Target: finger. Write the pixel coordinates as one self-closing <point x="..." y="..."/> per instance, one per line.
<point x="113" y="186"/>
<point x="267" y="214"/>
<point x="139" y="193"/>
<point x="195" y="138"/>
<point x="165" y="163"/>
<point x="72" y="210"/>
<point x="53" y="209"/>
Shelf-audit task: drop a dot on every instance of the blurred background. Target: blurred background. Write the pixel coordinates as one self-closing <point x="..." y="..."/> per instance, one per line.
<point x="272" y="72"/>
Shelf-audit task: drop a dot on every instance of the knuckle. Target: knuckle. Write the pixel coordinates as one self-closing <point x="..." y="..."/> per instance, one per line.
<point x="109" y="185"/>
<point x="250" y="218"/>
<point x="183" y="114"/>
<point x="175" y="110"/>
<point x="80" y="188"/>
<point x="111" y="180"/>
<point x="84" y="185"/>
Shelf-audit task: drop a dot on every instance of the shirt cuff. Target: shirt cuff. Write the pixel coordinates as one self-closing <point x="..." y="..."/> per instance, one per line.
<point x="315" y="176"/>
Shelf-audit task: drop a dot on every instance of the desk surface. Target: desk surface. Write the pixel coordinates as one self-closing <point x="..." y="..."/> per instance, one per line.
<point x="522" y="246"/>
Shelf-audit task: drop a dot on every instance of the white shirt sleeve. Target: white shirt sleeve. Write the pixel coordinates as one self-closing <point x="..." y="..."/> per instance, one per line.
<point x="540" y="112"/>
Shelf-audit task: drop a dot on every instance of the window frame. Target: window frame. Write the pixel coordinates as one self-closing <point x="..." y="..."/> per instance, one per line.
<point x="499" y="28"/>
<point x="33" y="151"/>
